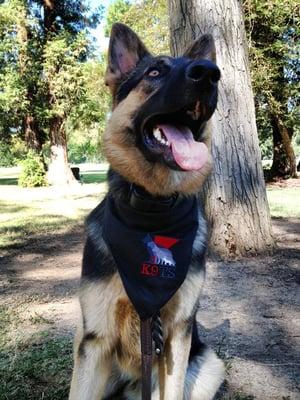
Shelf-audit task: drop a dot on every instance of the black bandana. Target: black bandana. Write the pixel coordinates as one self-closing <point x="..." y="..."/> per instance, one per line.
<point x="151" y="241"/>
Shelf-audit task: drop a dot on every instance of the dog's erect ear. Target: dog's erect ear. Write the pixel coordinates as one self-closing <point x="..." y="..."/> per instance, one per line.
<point x="203" y="47"/>
<point x="124" y="52"/>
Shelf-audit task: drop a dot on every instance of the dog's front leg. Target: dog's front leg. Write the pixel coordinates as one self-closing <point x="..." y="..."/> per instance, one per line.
<point x="92" y="368"/>
<point x="174" y="364"/>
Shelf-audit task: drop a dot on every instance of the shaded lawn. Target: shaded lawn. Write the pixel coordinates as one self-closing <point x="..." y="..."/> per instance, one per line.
<point x="93" y="176"/>
<point x="9" y="176"/>
<point x="39" y="211"/>
<point x="39" y="367"/>
<point x="8" y="181"/>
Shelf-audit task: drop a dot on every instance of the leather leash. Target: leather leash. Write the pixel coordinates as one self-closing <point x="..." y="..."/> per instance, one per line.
<point x="151" y="333"/>
<point x="146" y="348"/>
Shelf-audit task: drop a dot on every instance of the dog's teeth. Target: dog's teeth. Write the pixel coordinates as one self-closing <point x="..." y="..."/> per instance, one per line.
<point x="160" y="137"/>
<point x="157" y="134"/>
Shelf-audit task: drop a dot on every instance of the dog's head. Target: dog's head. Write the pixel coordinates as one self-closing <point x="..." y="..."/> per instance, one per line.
<point x="156" y="136"/>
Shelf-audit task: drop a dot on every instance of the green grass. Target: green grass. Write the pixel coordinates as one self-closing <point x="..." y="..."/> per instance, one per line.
<point x="9" y="176"/>
<point x="38" y="367"/>
<point x="8" y="181"/>
<point x="23" y="216"/>
<point x="284" y="202"/>
<point x="28" y="222"/>
<point x="93" y="176"/>
<point x="32" y="219"/>
<point x="32" y="366"/>
<point x="36" y="371"/>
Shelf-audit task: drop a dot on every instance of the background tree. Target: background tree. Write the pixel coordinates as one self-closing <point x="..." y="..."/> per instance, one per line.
<point x="65" y="47"/>
<point x="236" y="204"/>
<point x="13" y="91"/>
<point x="85" y="125"/>
<point x="273" y="34"/>
<point x="45" y="46"/>
<point x="148" y="18"/>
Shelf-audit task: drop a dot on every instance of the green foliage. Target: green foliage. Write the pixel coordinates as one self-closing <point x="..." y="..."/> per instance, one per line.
<point x="91" y="113"/>
<point x="13" y="101"/>
<point x="296" y="143"/>
<point x="272" y="28"/>
<point x="84" y="152"/>
<point x="12" y="152"/>
<point x="117" y="12"/>
<point x="6" y="156"/>
<point x="148" y="18"/>
<point x="33" y="172"/>
<point x="86" y="123"/>
<point x="42" y="62"/>
<point x="63" y="72"/>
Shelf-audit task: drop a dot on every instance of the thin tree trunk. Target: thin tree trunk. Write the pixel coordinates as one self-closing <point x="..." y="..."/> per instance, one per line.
<point x="284" y="160"/>
<point x="236" y="203"/>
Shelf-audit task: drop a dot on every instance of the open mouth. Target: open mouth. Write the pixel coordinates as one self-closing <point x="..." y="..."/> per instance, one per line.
<point x="175" y="138"/>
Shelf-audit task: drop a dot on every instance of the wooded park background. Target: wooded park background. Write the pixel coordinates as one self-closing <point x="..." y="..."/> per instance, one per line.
<point x="53" y="110"/>
<point x="52" y="91"/>
<point x="53" y="102"/>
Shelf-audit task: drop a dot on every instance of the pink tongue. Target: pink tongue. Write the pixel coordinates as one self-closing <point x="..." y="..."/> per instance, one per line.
<point x="188" y="154"/>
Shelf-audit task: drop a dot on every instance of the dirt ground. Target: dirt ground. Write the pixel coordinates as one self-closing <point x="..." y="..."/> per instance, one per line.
<point x="248" y="311"/>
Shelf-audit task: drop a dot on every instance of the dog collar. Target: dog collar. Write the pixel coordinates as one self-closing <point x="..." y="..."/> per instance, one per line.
<point x="151" y="245"/>
<point x="141" y="200"/>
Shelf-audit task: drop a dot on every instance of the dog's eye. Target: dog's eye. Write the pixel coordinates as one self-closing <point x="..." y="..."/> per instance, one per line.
<point x="153" y="73"/>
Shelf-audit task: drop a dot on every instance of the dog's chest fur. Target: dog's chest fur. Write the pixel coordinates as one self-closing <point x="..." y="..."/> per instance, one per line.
<point x="110" y="315"/>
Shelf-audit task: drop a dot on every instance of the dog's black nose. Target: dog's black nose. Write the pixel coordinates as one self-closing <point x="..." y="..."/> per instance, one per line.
<point x="203" y="70"/>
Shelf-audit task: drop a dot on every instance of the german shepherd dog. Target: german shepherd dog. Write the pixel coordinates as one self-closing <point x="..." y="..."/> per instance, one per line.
<point x="157" y="138"/>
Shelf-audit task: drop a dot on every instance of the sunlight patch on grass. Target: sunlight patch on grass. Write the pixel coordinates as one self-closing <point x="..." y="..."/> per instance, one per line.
<point x="25" y="213"/>
<point x="284" y="202"/>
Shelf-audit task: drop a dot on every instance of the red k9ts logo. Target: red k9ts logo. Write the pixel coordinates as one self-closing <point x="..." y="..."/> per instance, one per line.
<point x="161" y="262"/>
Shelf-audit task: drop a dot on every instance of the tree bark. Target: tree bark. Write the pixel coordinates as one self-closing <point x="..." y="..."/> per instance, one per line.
<point x="236" y="204"/>
<point x="30" y="131"/>
<point x="284" y="160"/>
<point x="59" y="171"/>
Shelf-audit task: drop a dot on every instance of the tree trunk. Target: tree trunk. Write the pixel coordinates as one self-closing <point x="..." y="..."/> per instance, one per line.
<point x="284" y="160"/>
<point x="32" y="138"/>
<point x="236" y="203"/>
<point x="59" y="172"/>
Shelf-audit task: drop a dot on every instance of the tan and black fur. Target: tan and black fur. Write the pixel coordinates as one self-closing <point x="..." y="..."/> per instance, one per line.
<point x="107" y="361"/>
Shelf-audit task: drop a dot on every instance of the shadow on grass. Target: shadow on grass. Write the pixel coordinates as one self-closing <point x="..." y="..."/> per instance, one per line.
<point x="37" y="369"/>
<point x="8" y="181"/>
<point x="93" y="176"/>
<point x="6" y="207"/>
